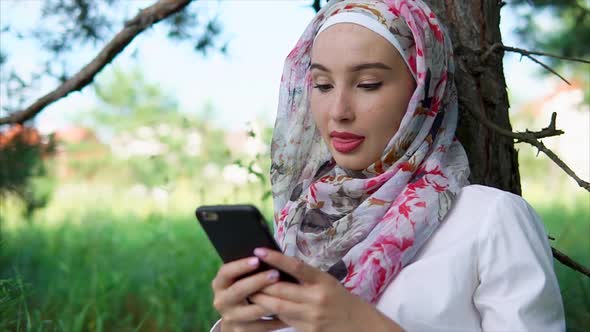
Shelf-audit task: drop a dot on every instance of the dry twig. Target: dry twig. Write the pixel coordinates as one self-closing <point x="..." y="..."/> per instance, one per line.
<point x="529" y="54"/>
<point x="533" y="138"/>
<point x="143" y="20"/>
<point x="524" y="52"/>
<point x="572" y="264"/>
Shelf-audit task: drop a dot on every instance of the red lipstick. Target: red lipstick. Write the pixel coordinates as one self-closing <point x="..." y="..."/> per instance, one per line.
<point x="345" y="142"/>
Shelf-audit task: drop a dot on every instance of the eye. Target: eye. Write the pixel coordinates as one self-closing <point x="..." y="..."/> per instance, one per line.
<point x="370" y="86"/>
<point x="323" y="87"/>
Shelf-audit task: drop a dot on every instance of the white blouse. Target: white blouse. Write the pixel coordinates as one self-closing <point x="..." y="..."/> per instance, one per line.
<point x="488" y="267"/>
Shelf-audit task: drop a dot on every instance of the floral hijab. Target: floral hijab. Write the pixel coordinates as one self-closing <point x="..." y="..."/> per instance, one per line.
<point x="364" y="226"/>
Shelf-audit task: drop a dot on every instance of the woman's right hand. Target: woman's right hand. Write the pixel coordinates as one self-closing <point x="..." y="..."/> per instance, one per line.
<point x="230" y="297"/>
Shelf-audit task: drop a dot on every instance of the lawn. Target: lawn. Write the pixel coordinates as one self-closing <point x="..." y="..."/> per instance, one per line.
<point x="112" y="275"/>
<point x="94" y="270"/>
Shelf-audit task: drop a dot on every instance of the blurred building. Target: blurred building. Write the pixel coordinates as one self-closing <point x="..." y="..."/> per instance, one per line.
<point x="74" y="145"/>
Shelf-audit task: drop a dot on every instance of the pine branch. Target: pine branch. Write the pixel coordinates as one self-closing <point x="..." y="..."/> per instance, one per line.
<point x="567" y="261"/>
<point x="529" y="54"/>
<point x="143" y="20"/>
<point x="524" y="52"/>
<point x="533" y="138"/>
<point x="551" y="70"/>
<point x="572" y="264"/>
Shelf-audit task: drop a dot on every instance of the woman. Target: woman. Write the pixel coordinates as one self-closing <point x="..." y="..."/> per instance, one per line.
<point x="373" y="210"/>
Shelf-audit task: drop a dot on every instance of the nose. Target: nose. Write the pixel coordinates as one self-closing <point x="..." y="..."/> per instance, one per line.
<point x="341" y="110"/>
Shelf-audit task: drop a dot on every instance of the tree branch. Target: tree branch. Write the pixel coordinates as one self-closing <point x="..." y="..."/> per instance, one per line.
<point x="551" y="70"/>
<point x="572" y="264"/>
<point x="524" y="52"/>
<point x="529" y="54"/>
<point x="143" y="20"/>
<point x="533" y="138"/>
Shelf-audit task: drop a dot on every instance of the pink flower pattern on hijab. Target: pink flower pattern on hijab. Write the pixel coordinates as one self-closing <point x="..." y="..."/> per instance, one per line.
<point x="364" y="226"/>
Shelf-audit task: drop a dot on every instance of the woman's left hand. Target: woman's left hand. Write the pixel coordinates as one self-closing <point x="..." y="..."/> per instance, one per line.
<point x="319" y="303"/>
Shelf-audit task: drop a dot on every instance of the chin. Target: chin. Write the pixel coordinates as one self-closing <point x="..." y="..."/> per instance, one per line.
<point x="350" y="162"/>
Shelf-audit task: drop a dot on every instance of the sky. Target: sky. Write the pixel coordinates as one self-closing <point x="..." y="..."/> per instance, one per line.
<point x="242" y="85"/>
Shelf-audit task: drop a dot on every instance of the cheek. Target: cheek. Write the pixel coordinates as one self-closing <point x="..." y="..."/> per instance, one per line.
<point x="319" y="115"/>
<point x="398" y="104"/>
<point x="385" y="119"/>
<point x="387" y="114"/>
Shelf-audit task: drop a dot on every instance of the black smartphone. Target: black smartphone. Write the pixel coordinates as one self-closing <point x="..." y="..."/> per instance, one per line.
<point x="235" y="231"/>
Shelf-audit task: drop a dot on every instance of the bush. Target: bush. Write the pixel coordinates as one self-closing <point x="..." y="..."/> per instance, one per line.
<point x="22" y="171"/>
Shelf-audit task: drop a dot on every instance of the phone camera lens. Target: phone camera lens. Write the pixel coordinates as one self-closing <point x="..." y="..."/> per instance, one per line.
<point x="210" y="216"/>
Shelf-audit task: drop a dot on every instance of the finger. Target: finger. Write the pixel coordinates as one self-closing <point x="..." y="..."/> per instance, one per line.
<point x="230" y="271"/>
<point x="290" y="265"/>
<point x="263" y="325"/>
<point x="288" y="291"/>
<point x="280" y="307"/>
<point x="241" y="289"/>
<point x="247" y="313"/>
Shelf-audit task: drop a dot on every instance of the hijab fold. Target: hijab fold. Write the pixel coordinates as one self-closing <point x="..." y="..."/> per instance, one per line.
<point x="364" y="226"/>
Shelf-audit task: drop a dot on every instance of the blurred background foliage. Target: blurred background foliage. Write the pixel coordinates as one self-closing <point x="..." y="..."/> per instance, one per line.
<point x="117" y="246"/>
<point x="559" y="27"/>
<point x="66" y="27"/>
<point x="96" y="221"/>
<point x="567" y="31"/>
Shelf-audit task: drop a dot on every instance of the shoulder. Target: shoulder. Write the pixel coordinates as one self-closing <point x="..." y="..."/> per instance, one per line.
<point x="481" y="196"/>
<point x="507" y="224"/>
<point x="482" y="217"/>
<point x="474" y="211"/>
<point x="514" y="264"/>
<point x="498" y="215"/>
<point x="477" y="215"/>
<point x="492" y="205"/>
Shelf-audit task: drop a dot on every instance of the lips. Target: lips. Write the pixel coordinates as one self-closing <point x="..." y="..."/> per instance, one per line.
<point x="345" y="142"/>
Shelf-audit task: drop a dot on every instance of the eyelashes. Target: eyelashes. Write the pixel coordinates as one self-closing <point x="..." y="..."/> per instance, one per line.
<point x="364" y="86"/>
<point x="371" y="86"/>
<point x="323" y="87"/>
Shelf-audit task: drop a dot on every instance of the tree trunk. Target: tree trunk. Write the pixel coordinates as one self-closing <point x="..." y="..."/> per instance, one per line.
<point x="473" y="26"/>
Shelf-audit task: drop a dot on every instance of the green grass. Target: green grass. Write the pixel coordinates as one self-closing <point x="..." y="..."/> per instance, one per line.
<point x="571" y="227"/>
<point x="124" y="271"/>
<point x="111" y="275"/>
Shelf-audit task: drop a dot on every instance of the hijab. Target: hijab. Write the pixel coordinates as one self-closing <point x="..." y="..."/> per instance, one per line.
<point x="364" y="226"/>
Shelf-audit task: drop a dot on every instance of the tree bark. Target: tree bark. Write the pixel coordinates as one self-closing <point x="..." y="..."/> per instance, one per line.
<point x="474" y="26"/>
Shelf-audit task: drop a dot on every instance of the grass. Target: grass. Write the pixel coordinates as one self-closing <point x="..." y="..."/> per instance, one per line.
<point x="570" y="226"/>
<point x="111" y="275"/>
<point x="139" y="269"/>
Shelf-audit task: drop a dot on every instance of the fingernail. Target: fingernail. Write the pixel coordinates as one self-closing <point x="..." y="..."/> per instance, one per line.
<point x="253" y="261"/>
<point x="260" y="252"/>
<point x="273" y="275"/>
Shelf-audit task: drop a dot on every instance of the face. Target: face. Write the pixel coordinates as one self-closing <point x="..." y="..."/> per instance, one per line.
<point x="361" y="89"/>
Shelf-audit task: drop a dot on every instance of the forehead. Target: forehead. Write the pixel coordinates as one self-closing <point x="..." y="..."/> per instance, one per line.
<point x="349" y="42"/>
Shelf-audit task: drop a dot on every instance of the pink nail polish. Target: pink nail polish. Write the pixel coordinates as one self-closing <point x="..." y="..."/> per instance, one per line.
<point x="273" y="275"/>
<point x="253" y="261"/>
<point x="260" y="252"/>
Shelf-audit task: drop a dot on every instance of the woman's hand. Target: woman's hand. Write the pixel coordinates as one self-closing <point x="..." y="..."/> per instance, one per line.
<point x="320" y="303"/>
<point x="230" y="297"/>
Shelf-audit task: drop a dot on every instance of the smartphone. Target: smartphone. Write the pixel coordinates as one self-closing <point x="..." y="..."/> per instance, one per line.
<point x="235" y="231"/>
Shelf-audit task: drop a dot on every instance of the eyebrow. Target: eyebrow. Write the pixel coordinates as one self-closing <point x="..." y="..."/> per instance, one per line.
<point x="362" y="66"/>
